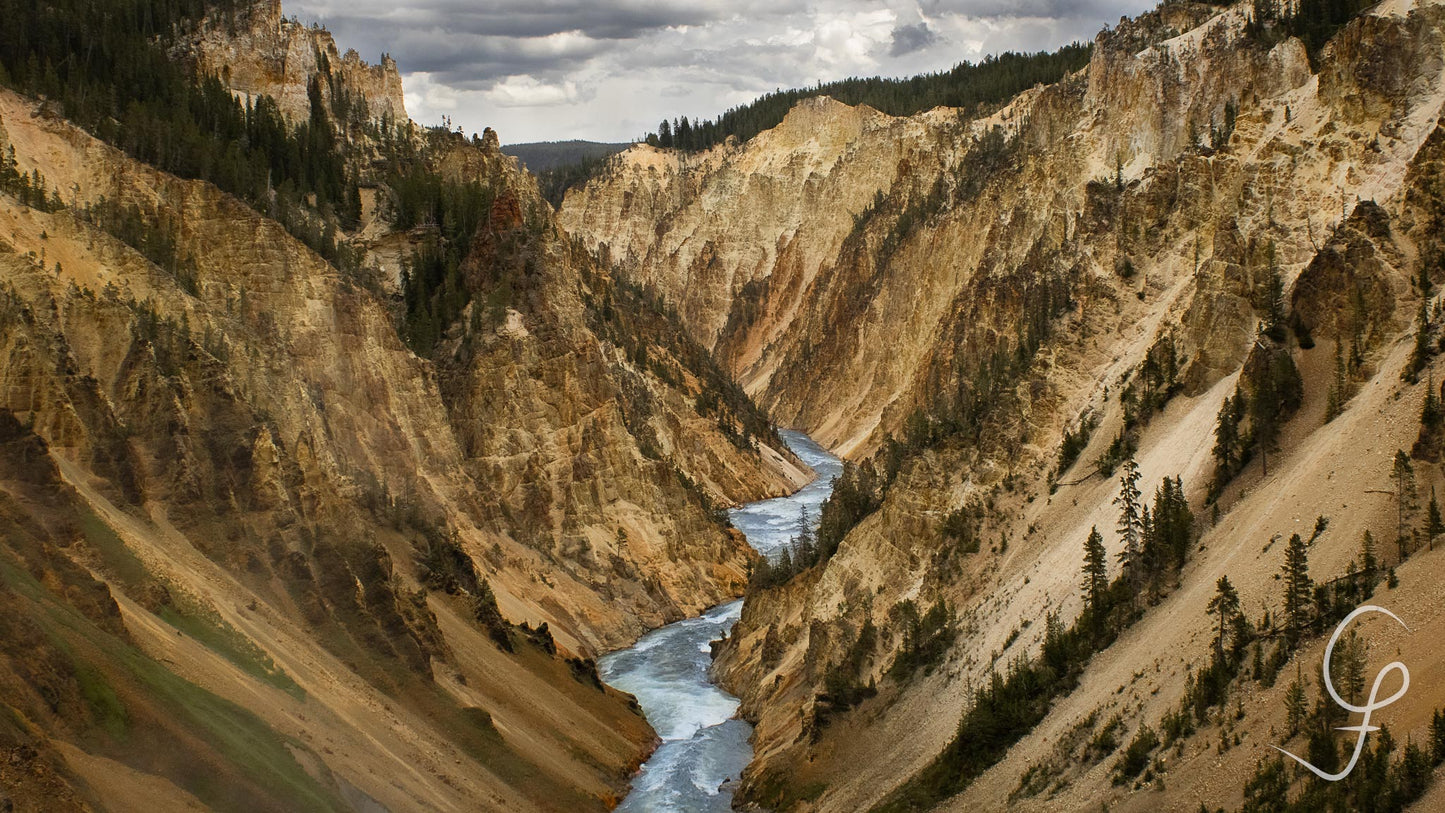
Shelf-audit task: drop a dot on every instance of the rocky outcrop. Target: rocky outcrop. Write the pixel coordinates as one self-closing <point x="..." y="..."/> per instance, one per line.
<point x="256" y="51"/>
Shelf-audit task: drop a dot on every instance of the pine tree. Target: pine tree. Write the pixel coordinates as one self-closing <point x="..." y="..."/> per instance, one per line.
<point x="783" y="568"/>
<point x="1226" y="440"/>
<point x="1420" y="355"/>
<point x="1268" y="790"/>
<point x="1241" y="632"/>
<point x="1297" y="586"/>
<point x="1264" y="410"/>
<point x="1434" y="524"/>
<point x="1437" y="735"/>
<point x="1295" y="703"/>
<point x="1369" y="562"/>
<point x="1321" y="722"/>
<point x="351" y="211"/>
<point x="1350" y="667"/>
<point x="1403" y="476"/>
<point x="1173" y="519"/>
<point x="1131" y="520"/>
<point x="807" y="554"/>
<point x="1225" y="605"/>
<point x="1096" y="576"/>
<point x="1335" y="401"/>
<point x="1274" y="297"/>
<point x="1430" y="413"/>
<point x="1152" y="555"/>
<point x="1359" y="321"/>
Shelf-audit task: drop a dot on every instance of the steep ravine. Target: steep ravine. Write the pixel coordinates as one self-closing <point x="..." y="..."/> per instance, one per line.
<point x="705" y="746"/>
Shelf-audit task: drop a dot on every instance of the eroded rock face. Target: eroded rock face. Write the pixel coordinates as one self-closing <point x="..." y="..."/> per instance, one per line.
<point x="823" y="259"/>
<point x="520" y="430"/>
<point x="1162" y="189"/>
<point x="756" y="226"/>
<point x="1347" y="292"/>
<point x="259" y="52"/>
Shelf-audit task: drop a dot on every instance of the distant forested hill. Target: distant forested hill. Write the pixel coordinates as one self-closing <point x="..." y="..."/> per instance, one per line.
<point x="560" y="165"/>
<point x="540" y="156"/>
<point x="967" y="86"/>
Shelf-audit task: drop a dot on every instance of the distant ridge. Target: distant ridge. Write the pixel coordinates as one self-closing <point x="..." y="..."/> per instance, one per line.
<point x="968" y="86"/>
<point x="540" y="156"/>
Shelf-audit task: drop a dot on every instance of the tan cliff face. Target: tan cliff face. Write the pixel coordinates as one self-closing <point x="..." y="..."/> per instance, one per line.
<point x="676" y="218"/>
<point x="764" y="248"/>
<point x="267" y="283"/>
<point x="257" y="51"/>
<point x="293" y="512"/>
<point x="861" y="323"/>
<point x="754" y="226"/>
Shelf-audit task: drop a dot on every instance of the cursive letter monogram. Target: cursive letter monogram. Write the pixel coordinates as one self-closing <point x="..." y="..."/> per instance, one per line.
<point x="1373" y="705"/>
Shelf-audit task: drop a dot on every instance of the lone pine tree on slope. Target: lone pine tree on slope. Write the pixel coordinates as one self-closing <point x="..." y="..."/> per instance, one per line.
<point x="1131" y="518"/>
<point x="1297" y="586"/>
<point x="1096" y="576"/>
<point x="1225" y="605"/>
<point x="1403" y="475"/>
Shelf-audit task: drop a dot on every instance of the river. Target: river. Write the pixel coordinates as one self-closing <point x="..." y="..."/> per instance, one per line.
<point x="704" y="743"/>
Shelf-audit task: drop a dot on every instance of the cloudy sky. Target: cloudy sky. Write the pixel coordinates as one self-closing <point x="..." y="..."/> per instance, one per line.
<point x="610" y="70"/>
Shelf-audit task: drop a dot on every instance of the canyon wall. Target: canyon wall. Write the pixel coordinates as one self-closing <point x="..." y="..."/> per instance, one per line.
<point x="982" y="285"/>
<point x="242" y="514"/>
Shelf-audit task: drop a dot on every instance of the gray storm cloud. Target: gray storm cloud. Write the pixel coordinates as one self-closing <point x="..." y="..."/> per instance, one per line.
<point x="910" y="38"/>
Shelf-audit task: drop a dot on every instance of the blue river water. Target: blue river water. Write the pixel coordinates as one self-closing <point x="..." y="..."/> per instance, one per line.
<point x="704" y="743"/>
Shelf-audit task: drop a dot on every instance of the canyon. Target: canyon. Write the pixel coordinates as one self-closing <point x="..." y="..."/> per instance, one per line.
<point x="349" y="504"/>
